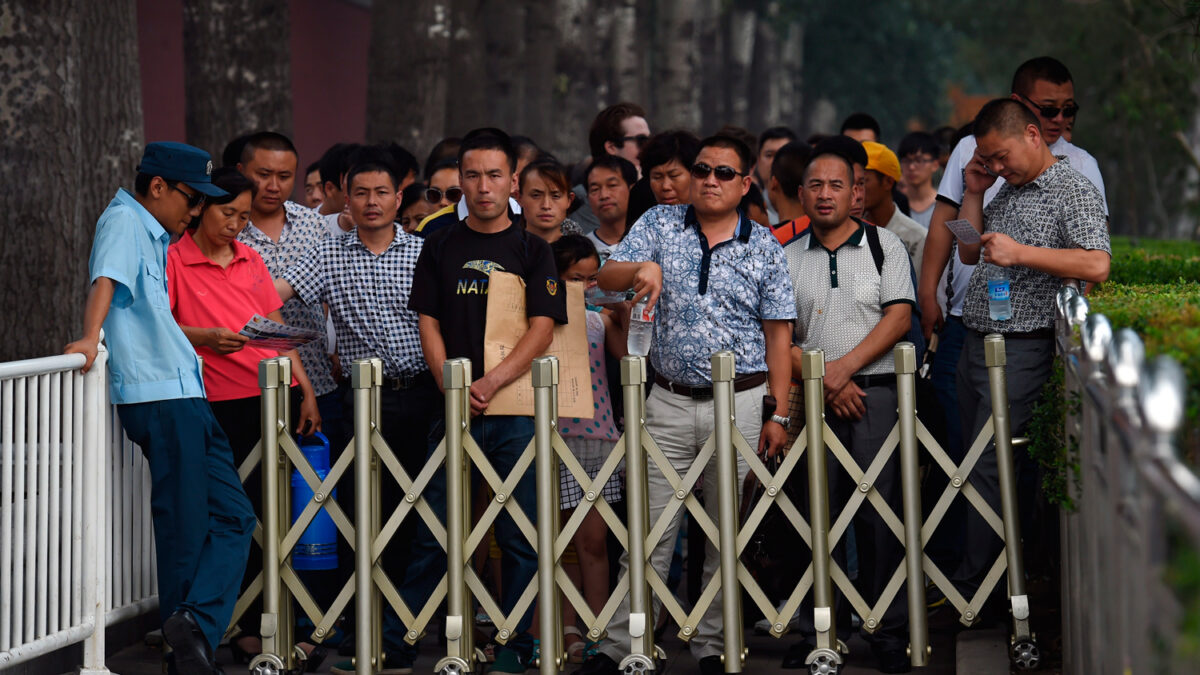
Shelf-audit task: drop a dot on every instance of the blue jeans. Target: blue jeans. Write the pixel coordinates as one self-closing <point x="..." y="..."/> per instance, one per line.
<point x="503" y="439"/>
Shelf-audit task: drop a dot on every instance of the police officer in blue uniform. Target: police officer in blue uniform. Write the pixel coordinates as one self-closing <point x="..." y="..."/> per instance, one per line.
<point x="202" y="518"/>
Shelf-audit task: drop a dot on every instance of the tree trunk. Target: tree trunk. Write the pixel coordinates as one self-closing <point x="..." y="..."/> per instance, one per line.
<point x="765" y="74"/>
<point x="712" y="77"/>
<point x="628" y="63"/>
<point x="536" y="115"/>
<point x="582" y="89"/>
<point x="502" y="27"/>
<point x="72" y="122"/>
<point x="407" y="73"/>
<point x="237" y="70"/>
<point x="790" y="75"/>
<point x="675" y="92"/>
<point x="467" y="107"/>
<point x="738" y="82"/>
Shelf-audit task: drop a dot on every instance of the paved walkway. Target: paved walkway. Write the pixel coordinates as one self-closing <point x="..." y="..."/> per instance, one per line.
<point x="766" y="654"/>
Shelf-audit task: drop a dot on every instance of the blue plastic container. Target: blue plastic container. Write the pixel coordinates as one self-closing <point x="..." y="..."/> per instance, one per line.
<point x="317" y="548"/>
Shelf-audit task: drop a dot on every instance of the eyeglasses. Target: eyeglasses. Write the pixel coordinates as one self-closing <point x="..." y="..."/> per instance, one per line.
<point x="640" y="139"/>
<point x="1050" y="112"/>
<point x="434" y="195"/>
<point x="917" y="160"/>
<point x="723" y="173"/>
<point x="194" y="199"/>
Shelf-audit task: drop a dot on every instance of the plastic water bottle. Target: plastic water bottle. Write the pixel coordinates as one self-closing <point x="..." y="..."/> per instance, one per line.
<point x="999" y="304"/>
<point x="641" y="329"/>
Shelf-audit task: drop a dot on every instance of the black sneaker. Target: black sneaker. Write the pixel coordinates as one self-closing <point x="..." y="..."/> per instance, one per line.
<point x="600" y="664"/>
<point x="796" y="654"/>
<point x="712" y="665"/>
<point x="893" y="660"/>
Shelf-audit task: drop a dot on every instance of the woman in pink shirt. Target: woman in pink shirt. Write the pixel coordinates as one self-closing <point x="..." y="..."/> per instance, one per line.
<point x="216" y="284"/>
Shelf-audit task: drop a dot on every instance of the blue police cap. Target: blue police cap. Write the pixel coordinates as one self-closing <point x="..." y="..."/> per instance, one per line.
<point x="180" y="162"/>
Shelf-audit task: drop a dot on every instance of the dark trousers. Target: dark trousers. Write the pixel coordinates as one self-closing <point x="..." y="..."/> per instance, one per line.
<point x="503" y="439"/>
<point x="945" y="546"/>
<point x="202" y="519"/>
<point x="1029" y="363"/>
<point x="406" y="416"/>
<point x="879" y="551"/>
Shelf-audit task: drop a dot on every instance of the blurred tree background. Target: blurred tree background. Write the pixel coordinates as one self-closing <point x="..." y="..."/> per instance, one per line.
<point x="543" y="68"/>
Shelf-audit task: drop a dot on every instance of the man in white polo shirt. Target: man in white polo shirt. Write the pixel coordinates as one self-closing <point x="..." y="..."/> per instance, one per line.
<point x="854" y="299"/>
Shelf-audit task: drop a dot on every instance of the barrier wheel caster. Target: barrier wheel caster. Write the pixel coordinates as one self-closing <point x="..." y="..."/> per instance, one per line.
<point x="1025" y="654"/>
<point x="267" y="664"/>
<point x="450" y="670"/>
<point x="637" y="665"/>
<point x="824" y="662"/>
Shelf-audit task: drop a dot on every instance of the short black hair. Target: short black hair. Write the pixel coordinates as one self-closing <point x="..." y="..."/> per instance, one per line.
<point x="370" y="159"/>
<point x="488" y="138"/>
<point x="414" y="193"/>
<point x="775" y="133"/>
<point x="788" y="167"/>
<point x="404" y="161"/>
<point x="570" y="249"/>
<point x="861" y="120"/>
<point x="919" y="142"/>
<point x="333" y="162"/>
<point x="607" y="126"/>
<point x="742" y="134"/>
<point x="447" y="163"/>
<point x="315" y="166"/>
<point x="623" y="168"/>
<point x="847" y="147"/>
<point x="1045" y="68"/>
<point x="141" y="183"/>
<point x="753" y="197"/>
<point x="267" y="140"/>
<point x="731" y="143"/>
<point x="830" y="153"/>
<point x="232" y="154"/>
<point x="676" y="144"/>
<point x="945" y="139"/>
<point x="233" y="182"/>
<point x="526" y="147"/>
<point x="1006" y="116"/>
<point x="447" y="148"/>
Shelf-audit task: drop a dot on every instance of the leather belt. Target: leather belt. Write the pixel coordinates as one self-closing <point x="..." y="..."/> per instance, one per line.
<point x="877" y="380"/>
<point x="739" y="384"/>
<point x="407" y="381"/>
<point x="1039" y="334"/>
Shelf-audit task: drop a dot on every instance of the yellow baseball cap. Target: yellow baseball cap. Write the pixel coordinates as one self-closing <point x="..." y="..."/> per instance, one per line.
<point x="883" y="160"/>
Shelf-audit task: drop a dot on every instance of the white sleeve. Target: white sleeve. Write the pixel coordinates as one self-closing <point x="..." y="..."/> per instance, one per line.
<point x="1088" y="166"/>
<point x="951" y="186"/>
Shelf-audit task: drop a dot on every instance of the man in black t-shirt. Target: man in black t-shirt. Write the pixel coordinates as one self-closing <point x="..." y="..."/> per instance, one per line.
<point x="449" y="293"/>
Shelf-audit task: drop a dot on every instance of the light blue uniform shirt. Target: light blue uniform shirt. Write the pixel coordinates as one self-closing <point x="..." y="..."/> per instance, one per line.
<point x="150" y="359"/>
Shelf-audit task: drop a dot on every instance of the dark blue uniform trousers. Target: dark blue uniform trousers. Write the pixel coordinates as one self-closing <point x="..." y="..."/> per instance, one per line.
<point x="202" y="519"/>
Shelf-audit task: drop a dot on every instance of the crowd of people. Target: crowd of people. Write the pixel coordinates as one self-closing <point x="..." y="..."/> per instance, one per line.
<point x="766" y="246"/>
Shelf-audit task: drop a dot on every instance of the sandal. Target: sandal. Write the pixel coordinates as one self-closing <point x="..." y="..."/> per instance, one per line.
<point x="575" y="648"/>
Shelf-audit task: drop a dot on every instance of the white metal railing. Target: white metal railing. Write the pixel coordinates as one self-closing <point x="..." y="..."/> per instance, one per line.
<point x="75" y="533"/>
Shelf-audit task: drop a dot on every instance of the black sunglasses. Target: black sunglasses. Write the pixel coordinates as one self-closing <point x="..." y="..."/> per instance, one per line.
<point x="723" y="173"/>
<point x="434" y="195"/>
<point x="194" y="199"/>
<point x="640" y="139"/>
<point x="1050" y="112"/>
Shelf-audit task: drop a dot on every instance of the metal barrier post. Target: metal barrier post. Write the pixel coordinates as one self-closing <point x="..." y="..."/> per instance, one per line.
<point x="910" y="481"/>
<point x="545" y="394"/>
<point x="723" y="368"/>
<point x="641" y="611"/>
<point x="95" y="488"/>
<point x="268" y="381"/>
<point x="362" y="381"/>
<point x="1023" y="645"/>
<point x="826" y="654"/>
<point x="376" y="511"/>
<point x="456" y="381"/>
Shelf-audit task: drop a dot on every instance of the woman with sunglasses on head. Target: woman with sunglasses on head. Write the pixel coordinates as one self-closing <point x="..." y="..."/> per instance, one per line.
<point x="215" y="284"/>
<point x="545" y="198"/>
<point x="666" y="160"/>
<point x="444" y="187"/>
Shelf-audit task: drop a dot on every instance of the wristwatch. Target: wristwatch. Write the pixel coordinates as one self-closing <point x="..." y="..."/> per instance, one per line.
<point x="785" y="422"/>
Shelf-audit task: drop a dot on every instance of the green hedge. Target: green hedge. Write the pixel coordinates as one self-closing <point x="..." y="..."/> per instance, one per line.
<point x="1154" y="288"/>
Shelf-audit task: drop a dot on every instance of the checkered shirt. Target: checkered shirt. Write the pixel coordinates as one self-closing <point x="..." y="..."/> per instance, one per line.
<point x="367" y="296"/>
<point x="1059" y="209"/>
<point x="302" y="230"/>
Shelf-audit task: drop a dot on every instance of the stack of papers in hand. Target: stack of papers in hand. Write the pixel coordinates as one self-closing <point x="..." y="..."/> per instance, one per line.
<point x="269" y="334"/>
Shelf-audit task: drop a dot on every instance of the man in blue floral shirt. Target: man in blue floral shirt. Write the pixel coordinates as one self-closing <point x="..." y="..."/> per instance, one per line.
<point x="719" y="282"/>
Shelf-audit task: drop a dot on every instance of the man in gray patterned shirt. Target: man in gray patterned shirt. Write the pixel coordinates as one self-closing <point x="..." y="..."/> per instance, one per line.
<point x="1046" y="224"/>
